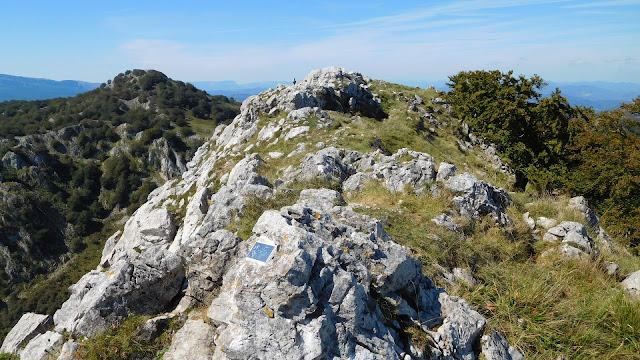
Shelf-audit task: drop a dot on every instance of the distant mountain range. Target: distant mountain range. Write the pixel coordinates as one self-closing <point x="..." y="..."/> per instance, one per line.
<point x="233" y="89"/>
<point x="24" y="88"/>
<point x="600" y="95"/>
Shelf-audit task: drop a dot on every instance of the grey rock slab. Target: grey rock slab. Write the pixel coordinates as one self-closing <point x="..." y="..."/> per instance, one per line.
<point x="465" y="275"/>
<point x="296" y="131"/>
<point x="70" y="351"/>
<point x="574" y="234"/>
<point x="314" y="296"/>
<point x="13" y="160"/>
<point x="612" y="268"/>
<point x="194" y="341"/>
<point x="461" y="327"/>
<point x="326" y="163"/>
<point x="496" y="347"/>
<point x="269" y="131"/>
<point x="415" y="173"/>
<point x="153" y="328"/>
<point x="145" y="284"/>
<point x="479" y="198"/>
<point x="631" y="285"/>
<point x="445" y="171"/>
<point x="356" y="182"/>
<point x="45" y="346"/>
<point x="446" y="221"/>
<point x="29" y="325"/>
<point x="529" y="221"/>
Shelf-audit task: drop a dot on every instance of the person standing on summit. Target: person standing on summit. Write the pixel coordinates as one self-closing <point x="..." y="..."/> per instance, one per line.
<point x="294" y="81"/>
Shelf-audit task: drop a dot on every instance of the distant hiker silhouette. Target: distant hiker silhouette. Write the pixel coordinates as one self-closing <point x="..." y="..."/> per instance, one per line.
<point x="294" y="81"/>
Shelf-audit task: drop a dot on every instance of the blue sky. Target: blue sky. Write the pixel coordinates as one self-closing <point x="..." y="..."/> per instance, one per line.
<point x="276" y="40"/>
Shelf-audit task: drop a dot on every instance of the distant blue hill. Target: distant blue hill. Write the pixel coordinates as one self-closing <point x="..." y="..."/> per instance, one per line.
<point x="24" y="88"/>
<point x="233" y="89"/>
<point x="600" y="95"/>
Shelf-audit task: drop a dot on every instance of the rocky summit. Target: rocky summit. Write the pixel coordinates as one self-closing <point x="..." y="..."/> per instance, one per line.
<point x="313" y="276"/>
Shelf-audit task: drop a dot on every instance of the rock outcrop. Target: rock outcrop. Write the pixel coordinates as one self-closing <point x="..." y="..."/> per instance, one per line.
<point x="29" y="326"/>
<point x="314" y="280"/>
<point x="576" y="243"/>
<point x="631" y="285"/>
<point x="478" y="198"/>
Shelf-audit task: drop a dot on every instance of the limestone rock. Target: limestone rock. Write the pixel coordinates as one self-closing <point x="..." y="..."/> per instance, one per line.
<point x="163" y="155"/>
<point x="13" y="160"/>
<point x="495" y="347"/>
<point x="465" y="275"/>
<point x="529" y="221"/>
<point x="208" y="263"/>
<point x="153" y="328"/>
<point x="479" y="198"/>
<point x="29" y="325"/>
<point x="269" y="131"/>
<point x="580" y="203"/>
<point x="326" y="163"/>
<point x="460" y="329"/>
<point x="194" y="341"/>
<point x="315" y="297"/>
<point x="245" y="180"/>
<point x="446" y="221"/>
<point x="70" y="351"/>
<point x="296" y="131"/>
<point x="631" y="285"/>
<point x="330" y="88"/>
<point x="43" y="347"/>
<point x="300" y="148"/>
<point x="445" y="171"/>
<point x="612" y="268"/>
<point x="356" y="182"/>
<point x="546" y="223"/>
<point x="145" y="284"/>
<point x="574" y="234"/>
<point x="415" y="173"/>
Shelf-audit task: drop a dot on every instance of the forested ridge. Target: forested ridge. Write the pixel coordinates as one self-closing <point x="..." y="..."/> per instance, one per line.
<point x="71" y="167"/>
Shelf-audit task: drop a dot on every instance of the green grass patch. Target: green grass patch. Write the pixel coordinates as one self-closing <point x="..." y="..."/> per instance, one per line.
<point x="254" y="207"/>
<point x="121" y="342"/>
<point x="202" y="127"/>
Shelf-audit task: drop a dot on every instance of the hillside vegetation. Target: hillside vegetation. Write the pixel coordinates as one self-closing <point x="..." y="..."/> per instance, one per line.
<point x="558" y="147"/>
<point x="72" y="167"/>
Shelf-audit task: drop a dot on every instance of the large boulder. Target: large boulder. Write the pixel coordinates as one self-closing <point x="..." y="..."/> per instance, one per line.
<point x="478" y="198"/>
<point x="194" y="341"/>
<point x="43" y="346"/>
<point x="327" y="164"/>
<point x="631" y="285"/>
<point x="29" y="325"/>
<point x="573" y="234"/>
<point x="13" y="160"/>
<point x="330" y="88"/>
<point x="496" y="347"/>
<point x="144" y="284"/>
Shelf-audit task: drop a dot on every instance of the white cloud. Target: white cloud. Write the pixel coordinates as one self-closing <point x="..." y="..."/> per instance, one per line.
<point x="429" y="43"/>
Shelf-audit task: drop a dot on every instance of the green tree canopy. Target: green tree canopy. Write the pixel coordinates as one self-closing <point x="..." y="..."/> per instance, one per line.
<point x="531" y="133"/>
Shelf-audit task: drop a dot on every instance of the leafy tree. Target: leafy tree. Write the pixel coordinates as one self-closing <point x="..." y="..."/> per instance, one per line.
<point x="606" y="156"/>
<point x="531" y="133"/>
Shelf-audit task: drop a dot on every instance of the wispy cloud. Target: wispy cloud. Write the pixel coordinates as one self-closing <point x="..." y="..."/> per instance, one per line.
<point x="611" y="3"/>
<point x="429" y="42"/>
